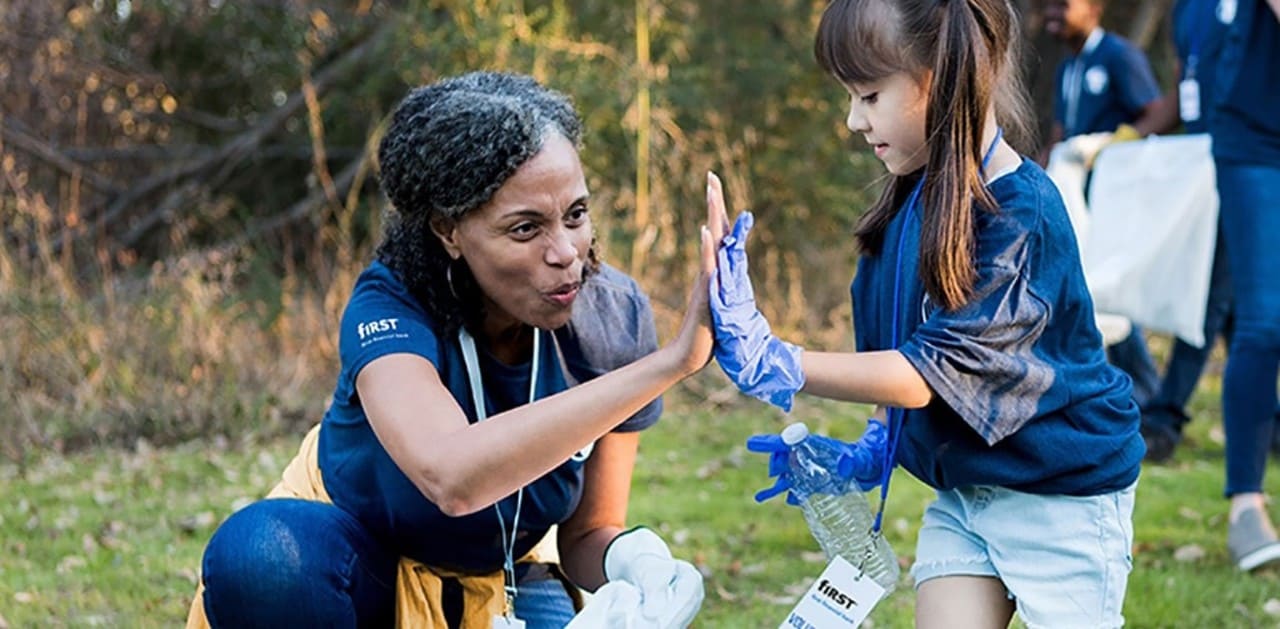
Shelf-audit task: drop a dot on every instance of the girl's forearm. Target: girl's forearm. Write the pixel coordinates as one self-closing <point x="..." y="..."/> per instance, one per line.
<point x="883" y="378"/>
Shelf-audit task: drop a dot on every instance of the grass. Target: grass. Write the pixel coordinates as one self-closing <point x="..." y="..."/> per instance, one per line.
<point x="112" y="537"/>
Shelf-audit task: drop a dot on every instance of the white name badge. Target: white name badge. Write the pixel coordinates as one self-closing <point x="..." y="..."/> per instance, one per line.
<point x="1227" y="11"/>
<point x="839" y="599"/>
<point x="502" y="622"/>
<point x="1189" y="99"/>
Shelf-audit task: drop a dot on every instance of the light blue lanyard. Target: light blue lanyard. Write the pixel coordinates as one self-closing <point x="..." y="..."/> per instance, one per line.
<point x="1197" y="35"/>
<point x="897" y="416"/>
<point x="471" y="360"/>
<point x="1073" y="80"/>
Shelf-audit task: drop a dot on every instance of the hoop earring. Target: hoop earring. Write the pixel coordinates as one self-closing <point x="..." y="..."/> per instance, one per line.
<point x="448" y="277"/>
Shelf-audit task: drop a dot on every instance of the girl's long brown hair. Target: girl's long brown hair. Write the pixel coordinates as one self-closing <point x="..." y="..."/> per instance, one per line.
<point x="971" y="49"/>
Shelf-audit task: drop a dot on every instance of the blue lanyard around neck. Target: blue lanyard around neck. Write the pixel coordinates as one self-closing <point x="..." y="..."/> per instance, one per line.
<point x="471" y="360"/>
<point x="1203" y="14"/>
<point x="1073" y="79"/>
<point x="896" y="416"/>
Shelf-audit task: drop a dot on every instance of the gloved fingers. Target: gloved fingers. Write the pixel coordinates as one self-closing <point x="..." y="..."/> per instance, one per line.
<point x="766" y="443"/>
<point x="686" y="595"/>
<point x="829" y="442"/>
<point x="779" y="463"/>
<point x="735" y="283"/>
<point x="729" y="309"/>
<point x="654" y="578"/>
<point x="875" y="435"/>
<point x="614" y="605"/>
<point x="741" y="227"/>
<point x="782" y="484"/>
<point x="777" y="450"/>
<point x="733" y="280"/>
<point x="846" y="465"/>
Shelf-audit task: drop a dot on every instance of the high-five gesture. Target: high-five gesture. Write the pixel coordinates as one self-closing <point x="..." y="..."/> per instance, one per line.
<point x="761" y="364"/>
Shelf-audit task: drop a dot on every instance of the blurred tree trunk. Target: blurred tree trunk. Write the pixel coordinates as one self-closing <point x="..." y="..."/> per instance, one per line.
<point x="1148" y="18"/>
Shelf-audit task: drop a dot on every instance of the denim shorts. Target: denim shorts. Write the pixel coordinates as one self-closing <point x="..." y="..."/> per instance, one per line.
<point x="1064" y="560"/>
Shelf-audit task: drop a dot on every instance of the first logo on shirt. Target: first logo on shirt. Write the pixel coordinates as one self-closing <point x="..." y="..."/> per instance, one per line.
<point x="376" y="326"/>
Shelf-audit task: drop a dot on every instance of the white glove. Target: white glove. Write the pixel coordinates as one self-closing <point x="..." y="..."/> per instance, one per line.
<point x="615" y="605"/>
<point x="670" y="589"/>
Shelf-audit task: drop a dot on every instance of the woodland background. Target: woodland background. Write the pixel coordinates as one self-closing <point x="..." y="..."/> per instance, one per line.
<point x="188" y="186"/>
<point x="188" y="191"/>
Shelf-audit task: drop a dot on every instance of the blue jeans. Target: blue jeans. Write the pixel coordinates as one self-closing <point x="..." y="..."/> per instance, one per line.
<point x="1186" y="362"/>
<point x="1250" y="200"/>
<point x="298" y="563"/>
<point x="1131" y="356"/>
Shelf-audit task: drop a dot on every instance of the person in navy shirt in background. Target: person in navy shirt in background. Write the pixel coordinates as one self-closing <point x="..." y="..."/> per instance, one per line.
<point x="1198" y="35"/>
<point x="494" y="375"/>
<point x="1104" y="85"/>
<point x="1244" y="122"/>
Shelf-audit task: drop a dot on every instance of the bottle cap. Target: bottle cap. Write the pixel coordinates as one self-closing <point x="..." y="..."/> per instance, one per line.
<point x="795" y="433"/>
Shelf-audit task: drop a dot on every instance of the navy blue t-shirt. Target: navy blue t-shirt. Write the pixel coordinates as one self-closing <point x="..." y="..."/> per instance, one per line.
<point x="1109" y="86"/>
<point x="1246" y="115"/>
<point x="612" y="325"/>
<point x="1198" y="34"/>
<point x="1024" y="397"/>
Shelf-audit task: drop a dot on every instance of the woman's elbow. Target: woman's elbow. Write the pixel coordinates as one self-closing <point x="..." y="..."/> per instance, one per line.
<point x="448" y="494"/>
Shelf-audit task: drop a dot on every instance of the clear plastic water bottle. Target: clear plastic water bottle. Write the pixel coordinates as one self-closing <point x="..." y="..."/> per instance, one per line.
<point x="836" y="509"/>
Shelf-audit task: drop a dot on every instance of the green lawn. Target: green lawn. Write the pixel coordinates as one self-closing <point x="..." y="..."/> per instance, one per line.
<point x="113" y="538"/>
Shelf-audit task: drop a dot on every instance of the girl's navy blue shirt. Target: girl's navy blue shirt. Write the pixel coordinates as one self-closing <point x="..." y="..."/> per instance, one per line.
<point x="1024" y="396"/>
<point x="612" y="325"/>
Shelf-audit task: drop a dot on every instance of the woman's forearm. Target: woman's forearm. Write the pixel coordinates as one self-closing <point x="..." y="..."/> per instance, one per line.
<point x="474" y="465"/>
<point x="583" y="557"/>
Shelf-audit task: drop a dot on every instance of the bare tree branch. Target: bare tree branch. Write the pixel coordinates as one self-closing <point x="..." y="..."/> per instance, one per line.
<point x="17" y="135"/>
<point x="298" y="211"/>
<point x="173" y="152"/>
<point x="233" y="151"/>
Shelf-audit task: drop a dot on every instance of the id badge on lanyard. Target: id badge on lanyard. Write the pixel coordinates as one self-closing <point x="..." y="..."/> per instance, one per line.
<point x="507" y="619"/>
<point x="1189" y="99"/>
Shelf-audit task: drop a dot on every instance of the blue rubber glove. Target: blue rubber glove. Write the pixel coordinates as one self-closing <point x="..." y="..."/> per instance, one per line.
<point x="761" y="364"/>
<point x="862" y="461"/>
<point x="868" y="455"/>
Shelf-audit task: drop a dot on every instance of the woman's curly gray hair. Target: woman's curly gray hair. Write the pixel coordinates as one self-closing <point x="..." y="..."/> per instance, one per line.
<point x="450" y="146"/>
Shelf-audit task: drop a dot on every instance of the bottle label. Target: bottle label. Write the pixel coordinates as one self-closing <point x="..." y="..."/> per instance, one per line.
<point x="842" y="597"/>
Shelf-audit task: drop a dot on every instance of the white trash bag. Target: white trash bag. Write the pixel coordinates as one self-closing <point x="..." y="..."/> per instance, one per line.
<point x="1153" y="224"/>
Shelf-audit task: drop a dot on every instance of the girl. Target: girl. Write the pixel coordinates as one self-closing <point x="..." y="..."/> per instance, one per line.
<point x="973" y="326"/>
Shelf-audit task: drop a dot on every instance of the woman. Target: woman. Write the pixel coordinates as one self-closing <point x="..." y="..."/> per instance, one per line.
<point x="1245" y="130"/>
<point x="406" y="504"/>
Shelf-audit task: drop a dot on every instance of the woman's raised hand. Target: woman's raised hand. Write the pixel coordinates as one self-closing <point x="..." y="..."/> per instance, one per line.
<point x="695" y="339"/>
